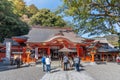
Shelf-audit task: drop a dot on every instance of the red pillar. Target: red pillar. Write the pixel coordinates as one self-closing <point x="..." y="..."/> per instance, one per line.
<point x="78" y="50"/>
<point x="81" y="51"/>
<point x="24" y="54"/>
<point x="48" y="51"/>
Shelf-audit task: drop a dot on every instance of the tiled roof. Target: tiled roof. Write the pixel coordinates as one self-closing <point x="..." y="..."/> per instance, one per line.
<point x="105" y="48"/>
<point x="103" y="40"/>
<point x="64" y="49"/>
<point x="13" y="43"/>
<point x="46" y="34"/>
<point x="108" y="50"/>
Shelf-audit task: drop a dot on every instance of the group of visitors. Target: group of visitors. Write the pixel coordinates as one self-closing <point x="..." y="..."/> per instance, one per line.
<point x="76" y="62"/>
<point x="46" y="61"/>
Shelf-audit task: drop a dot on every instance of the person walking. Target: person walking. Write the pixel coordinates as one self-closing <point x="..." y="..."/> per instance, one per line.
<point x="48" y="62"/>
<point x="77" y="63"/>
<point x="65" y="61"/>
<point x="118" y="59"/>
<point x="43" y="62"/>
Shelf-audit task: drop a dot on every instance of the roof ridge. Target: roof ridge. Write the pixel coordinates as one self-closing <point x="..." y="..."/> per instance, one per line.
<point x="47" y="27"/>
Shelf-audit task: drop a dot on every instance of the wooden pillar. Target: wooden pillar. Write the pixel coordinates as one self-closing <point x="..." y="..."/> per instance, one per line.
<point x="103" y="57"/>
<point x="107" y="58"/>
<point x="24" y="54"/>
<point x="81" y="52"/>
<point x="100" y="56"/>
<point x="78" y="50"/>
<point x="20" y="55"/>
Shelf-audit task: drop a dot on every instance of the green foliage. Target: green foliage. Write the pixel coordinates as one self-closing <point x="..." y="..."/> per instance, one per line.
<point x="32" y="10"/>
<point x="47" y="18"/>
<point x="113" y="39"/>
<point x="93" y="16"/>
<point x="19" y="7"/>
<point x="10" y="24"/>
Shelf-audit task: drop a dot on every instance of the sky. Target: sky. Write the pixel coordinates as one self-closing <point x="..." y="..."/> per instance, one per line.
<point x="50" y="4"/>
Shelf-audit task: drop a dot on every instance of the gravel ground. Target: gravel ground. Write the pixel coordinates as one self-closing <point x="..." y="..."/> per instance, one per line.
<point x="109" y="71"/>
<point x="26" y="73"/>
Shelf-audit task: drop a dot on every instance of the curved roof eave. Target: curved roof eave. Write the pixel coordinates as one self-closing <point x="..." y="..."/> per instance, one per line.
<point x="59" y="36"/>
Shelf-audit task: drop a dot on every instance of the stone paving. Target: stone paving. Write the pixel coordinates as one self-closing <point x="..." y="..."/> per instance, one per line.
<point x="25" y="73"/>
<point x="91" y="71"/>
<point x="109" y="71"/>
<point x="58" y="74"/>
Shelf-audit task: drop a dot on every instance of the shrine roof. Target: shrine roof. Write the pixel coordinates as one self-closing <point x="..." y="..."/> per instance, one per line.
<point x="107" y="50"/>
<point x="103" y="40"/>
<point x="47" y="34"/>
<point x="13" y="43"/>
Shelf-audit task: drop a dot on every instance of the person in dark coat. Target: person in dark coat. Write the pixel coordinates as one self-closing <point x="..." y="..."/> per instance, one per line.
<point x="17" y="60"/>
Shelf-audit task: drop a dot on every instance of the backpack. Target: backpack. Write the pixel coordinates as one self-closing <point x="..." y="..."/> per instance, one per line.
<point x="43" y="60"/>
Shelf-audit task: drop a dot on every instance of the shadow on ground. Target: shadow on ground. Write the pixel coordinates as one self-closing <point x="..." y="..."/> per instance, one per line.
<point x="11" y="67"/>
<point x="101" y="62"/>
<point x="53" y="71"/>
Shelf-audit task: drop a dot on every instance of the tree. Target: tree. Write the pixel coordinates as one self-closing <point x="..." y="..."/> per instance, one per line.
<point x="19" y="7"/>
<point x="32" y="10"/>
<point x="47" y="18"/>
<point x="10" y="24"/>
<point x="93" y="16"/>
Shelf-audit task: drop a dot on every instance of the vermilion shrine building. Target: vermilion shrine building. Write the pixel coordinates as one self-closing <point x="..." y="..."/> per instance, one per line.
<point x="49" y="41"/>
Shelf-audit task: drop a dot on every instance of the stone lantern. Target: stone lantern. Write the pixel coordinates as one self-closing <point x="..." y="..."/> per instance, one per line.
<point x="93" y="51"/>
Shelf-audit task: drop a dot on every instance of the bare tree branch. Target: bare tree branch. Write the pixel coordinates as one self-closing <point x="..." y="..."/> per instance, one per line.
<point x="110" y="15"/>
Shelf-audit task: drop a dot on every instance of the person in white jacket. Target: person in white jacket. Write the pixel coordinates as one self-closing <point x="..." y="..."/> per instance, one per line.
<point x="48" y="62"/>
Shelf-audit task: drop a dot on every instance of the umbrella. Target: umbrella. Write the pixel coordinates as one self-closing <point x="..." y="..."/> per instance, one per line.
<point x="64" y="49"/>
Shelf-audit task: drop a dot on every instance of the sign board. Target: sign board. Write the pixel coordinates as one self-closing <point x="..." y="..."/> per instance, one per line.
<point x="36" y="53"/>
<point x="8" y="49"/>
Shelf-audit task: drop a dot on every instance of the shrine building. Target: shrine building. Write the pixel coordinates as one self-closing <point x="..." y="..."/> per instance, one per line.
<point x="56" y="42"/>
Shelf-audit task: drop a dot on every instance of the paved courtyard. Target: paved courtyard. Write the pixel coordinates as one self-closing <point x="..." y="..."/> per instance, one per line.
<point x="24" y="73"/>
<point x="67" y="75"/>
<point x="109" y="71"/>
